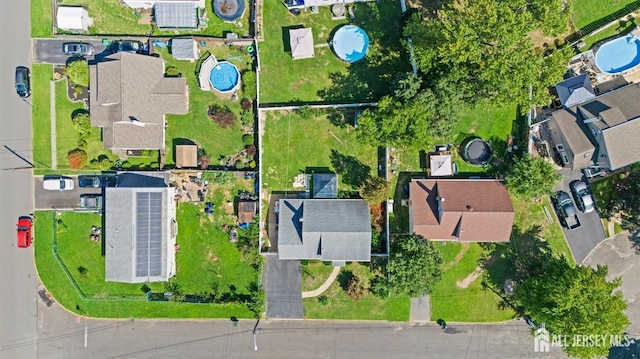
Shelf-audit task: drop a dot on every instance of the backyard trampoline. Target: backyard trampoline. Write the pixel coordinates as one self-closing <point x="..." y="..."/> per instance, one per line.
<point x="229" y="10"/>
<point x="224" y="77"/>
<point x="350" y="43"/>
<point x="476" y="151"/>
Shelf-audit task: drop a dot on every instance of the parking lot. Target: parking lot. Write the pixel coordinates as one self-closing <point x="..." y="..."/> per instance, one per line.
<point x="67" y="199"/>
<point x="584" y="239"/>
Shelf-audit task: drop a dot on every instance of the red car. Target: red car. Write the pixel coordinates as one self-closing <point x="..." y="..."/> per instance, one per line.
<point x="25" y="236"/>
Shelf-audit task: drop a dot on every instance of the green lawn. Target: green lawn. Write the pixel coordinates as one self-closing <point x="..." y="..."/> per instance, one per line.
<point x="205" y="256"/>
<point x="604" y="191"/>
<point x="217" y="142"/>
<point x="588" y="11"/>
<point x="607" y="34"/>
<point x="66" y="135"/>
<point x="41" y="19"/>
<point x="292" y="145"/>
<point x="314" y="273"/>
<point x="340" y="306"/>
<point x="41" y="114"/>
<point x="111" y="17"/>
<point x="324" y="77"/>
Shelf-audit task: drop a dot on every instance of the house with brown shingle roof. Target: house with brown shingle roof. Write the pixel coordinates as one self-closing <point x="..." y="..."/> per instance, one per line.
<point x="465" y="210"/>
<point x="129" y="97"/>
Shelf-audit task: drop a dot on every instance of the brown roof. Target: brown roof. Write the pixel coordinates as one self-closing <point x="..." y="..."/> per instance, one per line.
<point x="246" y="211"/>
<point x="129" y="98"/>
<point x="470" y="210"/>
<point x="186" y="156"/>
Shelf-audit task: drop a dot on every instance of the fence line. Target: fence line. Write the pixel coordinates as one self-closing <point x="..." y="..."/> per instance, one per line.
<point x="297" y="107"/>
<point x="602" y="23"/>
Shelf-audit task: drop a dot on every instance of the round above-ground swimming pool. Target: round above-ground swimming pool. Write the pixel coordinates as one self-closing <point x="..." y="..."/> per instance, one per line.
<point x="224" y="77"/>
<point x="619" y="55"/>
<point x="476" y="151"/>
<point x="229" y="10"/>
<point x="350" y="43"/>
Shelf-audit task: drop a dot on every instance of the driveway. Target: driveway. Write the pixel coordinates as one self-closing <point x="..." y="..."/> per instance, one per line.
<point x="283" y="288"/>
<point x="584" y="239"/>
<point x="50" y="50"/>
<point x="623" y="259"/>
<point x="46" y="200"/>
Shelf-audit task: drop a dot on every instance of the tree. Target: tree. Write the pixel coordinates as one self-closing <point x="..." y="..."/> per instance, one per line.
<point x="77" y="158"/>
<point x="626" y="201"/>
<point x="552" y="16"/>
<point x="415" y="266"/>
<point x="375" y="190"/>
<point x="222" y="116"/>
<point x="574" y="300"/>
<point x="531" y="177"/>
<point x="78" y="71"/>
<point x="82" y="122"/>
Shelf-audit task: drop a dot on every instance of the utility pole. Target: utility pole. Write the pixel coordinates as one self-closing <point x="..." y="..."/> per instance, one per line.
<point x="255" y="332"/>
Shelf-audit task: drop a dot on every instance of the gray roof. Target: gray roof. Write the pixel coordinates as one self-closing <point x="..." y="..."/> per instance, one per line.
<point x="324" y="185"/>
<point x="130" y="97"/>
<point x="613" y="108"/>
<point x="575" y="136"/>
<point x="621" y="143"/>
<point x="184" y="49"/>
<point x="175" y="15"/>
<point x="138" y="243"/>
<point x="143" y="179"/>
<point x="324" y="229"/>
<point x="575" y="90"/>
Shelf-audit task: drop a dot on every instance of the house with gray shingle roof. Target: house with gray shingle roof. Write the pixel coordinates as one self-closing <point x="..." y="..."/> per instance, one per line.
<point x="130" y="97"/>
<point x="140" y="228"/>
<point x="575" y="90"/>
<point x="464" y="210"/>
<point x="602" y="131"/>
<point x="335" y="230"/>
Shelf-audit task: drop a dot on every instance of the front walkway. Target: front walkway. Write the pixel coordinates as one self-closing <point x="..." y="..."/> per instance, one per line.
<point x="327" y="283"/>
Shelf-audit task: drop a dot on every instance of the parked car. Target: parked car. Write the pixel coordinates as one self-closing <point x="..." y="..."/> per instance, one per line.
<point x="566" y="210"/>
<point x="126" y="46"/>
<point x="58" y="184"/>
<point x="23" y="81"/>
<point x="91" y="200"/>
<point x="77" y="48"/>
<point x="582" y="196"/>
<point x="89" y="181"/>
<point x="25" y="237"/>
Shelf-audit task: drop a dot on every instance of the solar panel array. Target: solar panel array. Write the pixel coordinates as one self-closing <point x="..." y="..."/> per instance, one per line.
<point x="148" y="234"/>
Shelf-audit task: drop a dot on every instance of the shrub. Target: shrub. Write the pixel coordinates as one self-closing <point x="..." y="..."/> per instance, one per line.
<point x="204" y="161"/>
<point x="82" y="144"/>
<point x="81" y="122"/>
<point x="356" y="289"/>
<point x="250" y="150"/>
<point x="252" y="164"/>
<point x="323" y="299"/>
<point x="247" y="118"/>
<point x="78" y="72"/>
<point x="239" y="165"/>
<point x="249" y="84"/>
<point x="247" y="139"/>
<point x="246" y="104"/>
<point x="172" y="71"/>
<point x="307" y="113"/>
<point x="77" y="158"/>
<point x="77" y="90"/>
<point x="126" y="165"/>
<point x="375" y="190"/>
<point x="222" y="116"/>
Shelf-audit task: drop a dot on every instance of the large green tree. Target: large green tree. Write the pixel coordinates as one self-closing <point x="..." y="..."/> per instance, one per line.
<point x="375" y="190"/>
<point x="573" y="301"/>
<point x="626" y="199"/>
<point x="482" y="50"/>
<point x="415" y="266"/>
<point x="531" y="177"/>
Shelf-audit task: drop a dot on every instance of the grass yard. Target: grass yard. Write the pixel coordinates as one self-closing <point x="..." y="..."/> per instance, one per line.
<point x="370" y="307"/>
<point x="324" y="77"/>
<point x="41" y="19"/>
<point x="41" y="114"/>
<point x="314" y="273"/>
<point x="111" y="17"/>
<point x="293" y="145"/>
<point x="604" y="191"/>
<point x="217" y="142"/>
<point x="205" y="256"/>
<point x="588" y="11"/>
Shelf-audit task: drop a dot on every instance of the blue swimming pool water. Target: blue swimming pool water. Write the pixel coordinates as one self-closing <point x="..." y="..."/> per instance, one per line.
<point x="350" y="43"/>
<point x="224" y="76"/>
<point x="619" y="55"/>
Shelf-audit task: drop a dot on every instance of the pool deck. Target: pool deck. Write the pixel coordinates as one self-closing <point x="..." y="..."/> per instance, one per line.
<point x="205" y="72"/>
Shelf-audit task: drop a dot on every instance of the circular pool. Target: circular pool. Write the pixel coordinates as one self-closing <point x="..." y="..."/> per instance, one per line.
<point x="350" y="43"/>
<point x="619" y="55"/>
<point x="224" y="77"/>
<point x="229" y="10"/>
<point x="476" y="151"/>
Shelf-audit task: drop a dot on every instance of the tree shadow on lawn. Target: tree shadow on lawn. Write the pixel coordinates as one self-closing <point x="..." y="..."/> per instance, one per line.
<point x="352" y="172"/>
<point x="344" y="277"/>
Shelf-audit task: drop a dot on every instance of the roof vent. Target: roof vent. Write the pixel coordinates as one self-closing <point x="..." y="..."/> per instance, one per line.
<point x="469" y="208"/>
<point x="301" y="218"/>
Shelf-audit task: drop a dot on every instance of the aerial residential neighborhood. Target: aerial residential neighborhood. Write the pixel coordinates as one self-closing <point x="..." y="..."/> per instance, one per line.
<point x="331" y="178"/>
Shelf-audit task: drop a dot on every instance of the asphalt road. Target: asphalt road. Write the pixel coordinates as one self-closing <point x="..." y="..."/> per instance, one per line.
<point x="18" y="304"/>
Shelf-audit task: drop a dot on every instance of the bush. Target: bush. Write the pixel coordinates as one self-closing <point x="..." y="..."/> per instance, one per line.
<point x="247" y="118"/>
<point x="356" y="289"/>
<point x="246" y="104"/>
<point x="172" y="71"/>
<point x="252" y="164"/>
<point x="247" y="139"/>
<point x="204" y="161"/>
<point x="77" y="158"/>
<point x="239" y="165"/>
<point x="249" y="84"/>
<point x="222" y="116"/>
<point x="126" y="165"/>
<point x="307" y="113"/>
<point x="250" y="150"/>
<point x="323" y="299"/>
<point x="81" y="122"/>
<point x="78" y="72"/>
<point x="82" y="144"/>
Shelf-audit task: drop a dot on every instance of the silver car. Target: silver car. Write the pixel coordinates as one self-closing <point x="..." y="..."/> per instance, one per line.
<point x="582" y="196"/>
<point x="77" y="48"/>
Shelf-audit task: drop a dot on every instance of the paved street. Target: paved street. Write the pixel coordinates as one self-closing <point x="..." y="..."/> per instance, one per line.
<point x="18" y="280"/>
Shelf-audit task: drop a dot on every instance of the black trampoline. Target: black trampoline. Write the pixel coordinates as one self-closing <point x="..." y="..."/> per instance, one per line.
<point x="476" y="151"/>
<point x="229" y="10"/>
